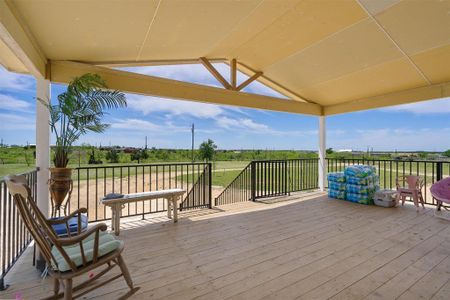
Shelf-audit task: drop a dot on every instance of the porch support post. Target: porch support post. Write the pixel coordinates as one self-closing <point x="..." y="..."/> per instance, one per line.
<point x="42" y="144"/>
<point x="322" y="153"/>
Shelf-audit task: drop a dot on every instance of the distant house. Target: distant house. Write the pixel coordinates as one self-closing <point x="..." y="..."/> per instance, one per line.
<point x="344" y="151"/>
<point x="437" y="156"/>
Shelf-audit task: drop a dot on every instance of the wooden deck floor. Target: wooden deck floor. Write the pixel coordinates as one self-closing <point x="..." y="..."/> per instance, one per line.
<point x="306" y="248"/>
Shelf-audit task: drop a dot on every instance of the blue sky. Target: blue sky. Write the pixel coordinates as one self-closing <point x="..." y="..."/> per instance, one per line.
<point x="166" y="122"/>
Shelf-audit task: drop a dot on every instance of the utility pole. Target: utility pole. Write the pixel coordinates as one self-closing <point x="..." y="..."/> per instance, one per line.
<point x="192" y="144"/>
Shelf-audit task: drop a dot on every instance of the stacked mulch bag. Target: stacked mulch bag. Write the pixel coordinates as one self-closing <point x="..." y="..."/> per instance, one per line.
<point x="361" y="183"/>
<point x="336" y="185"/>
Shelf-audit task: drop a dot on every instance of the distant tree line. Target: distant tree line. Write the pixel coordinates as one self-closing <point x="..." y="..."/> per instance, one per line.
<point x="207" y="151"/>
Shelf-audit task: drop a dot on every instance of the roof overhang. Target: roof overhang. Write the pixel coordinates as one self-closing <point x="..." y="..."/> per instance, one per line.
<point x="328" y="56"/>
<point x="64" y="72"/>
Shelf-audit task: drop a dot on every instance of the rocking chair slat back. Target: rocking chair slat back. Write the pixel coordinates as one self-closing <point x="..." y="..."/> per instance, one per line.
<point x="48" y="241"/>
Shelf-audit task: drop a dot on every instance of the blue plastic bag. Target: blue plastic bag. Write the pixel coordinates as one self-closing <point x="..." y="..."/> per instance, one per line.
<point x="360" y="189"/>
<point x="360" y="198"/>
<point x="338" y="186"/>
<point x="336" y="177"/>
<point x="360" y="171"/>
<point x="336" y="194"/>
<point x="369" y="180"/>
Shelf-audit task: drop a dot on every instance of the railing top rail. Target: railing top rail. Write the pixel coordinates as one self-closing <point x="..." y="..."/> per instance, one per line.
<point x="283" y="160"/>
<point x="396" y="160"/>
<point x="24" y="173"/>
<point x="142" y="165"/>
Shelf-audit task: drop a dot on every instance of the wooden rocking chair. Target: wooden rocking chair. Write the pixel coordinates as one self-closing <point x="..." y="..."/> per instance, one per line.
<point x="69" y="257"/>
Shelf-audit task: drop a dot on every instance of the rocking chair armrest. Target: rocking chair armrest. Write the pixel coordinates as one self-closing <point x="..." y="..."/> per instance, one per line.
<point x="69" y="241"/>
<point x="82" y="210"/>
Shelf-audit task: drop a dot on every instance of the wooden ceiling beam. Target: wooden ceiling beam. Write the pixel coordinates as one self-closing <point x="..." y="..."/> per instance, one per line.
<point x="233" y="73"/>
<point x="18" y="40"/>
<point x="272" y="84"/>
<point x="144" y="63"/>
<point x="65" y="71"/>
<point x="214" y="72"/>
<point x="429" y="92"/>
<point x="249" y="80"/>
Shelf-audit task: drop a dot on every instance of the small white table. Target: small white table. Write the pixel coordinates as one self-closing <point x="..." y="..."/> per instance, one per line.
<point x="172" y="196"/>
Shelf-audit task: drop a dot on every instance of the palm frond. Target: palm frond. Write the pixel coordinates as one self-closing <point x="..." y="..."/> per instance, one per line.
<point x="80" y="110"/>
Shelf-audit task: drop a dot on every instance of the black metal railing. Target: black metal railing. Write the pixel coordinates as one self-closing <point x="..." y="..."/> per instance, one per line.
<point x="14" y="237"/>
<point x="303" y="174"/>
<point x="90" y="184"/>
<point x="239" y="190"/>
<point x="199" y="195"/>
<point x="270" y="178"/>
<point x="389" y="170"/>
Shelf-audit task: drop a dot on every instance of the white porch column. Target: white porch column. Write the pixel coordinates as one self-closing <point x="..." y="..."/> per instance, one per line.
<point x="42" y="144"/>
<point x="322" y="153"/>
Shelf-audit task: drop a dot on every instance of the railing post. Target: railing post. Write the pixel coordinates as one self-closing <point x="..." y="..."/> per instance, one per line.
<point x="3" y="286"/>
<point x="285" y="177"/>
<point x="439" y="171"/>
<point x="210" y="185"/>
<point x="322" y="153"/>
<point x="253" y="180"/>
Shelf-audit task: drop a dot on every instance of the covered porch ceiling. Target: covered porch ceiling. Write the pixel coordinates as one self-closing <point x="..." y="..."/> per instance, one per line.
<point x="326" y="56"/>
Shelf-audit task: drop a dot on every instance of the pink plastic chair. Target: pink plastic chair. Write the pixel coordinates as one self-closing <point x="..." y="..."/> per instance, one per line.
<point x="440" y="191"/>
<point x="410" y="186"/>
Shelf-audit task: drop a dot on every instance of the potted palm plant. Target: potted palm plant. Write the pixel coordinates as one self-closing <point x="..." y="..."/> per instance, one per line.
<point x="79" y="110"/>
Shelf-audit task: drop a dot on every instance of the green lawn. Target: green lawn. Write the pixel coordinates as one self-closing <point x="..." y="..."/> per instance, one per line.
<point x="219" y="178"/>
<point x="134" y="169"/>
<point x="221" y="165"/>
<point x="8" y="169"/>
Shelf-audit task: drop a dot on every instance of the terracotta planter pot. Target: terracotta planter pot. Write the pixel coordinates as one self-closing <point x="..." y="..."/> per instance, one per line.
<point x="60" y="185"/>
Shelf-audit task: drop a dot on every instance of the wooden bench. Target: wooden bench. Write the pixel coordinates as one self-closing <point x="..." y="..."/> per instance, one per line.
<point x="172" y="196"/>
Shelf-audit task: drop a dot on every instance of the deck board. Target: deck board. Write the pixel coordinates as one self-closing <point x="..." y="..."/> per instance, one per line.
<point x="307" y="247"/>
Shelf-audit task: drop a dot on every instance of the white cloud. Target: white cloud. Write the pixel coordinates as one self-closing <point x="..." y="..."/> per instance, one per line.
<point x="135" y="124"/>
<point x="431" y="139"/>
<point x="16" y="122"/>
<point x="194" y="73"/>
<point x="242" y="123"/>
<point x="440" y="106"/>
<point x="11" y="103"/>
<point x="139" y="125"/>
<point x="147" y="105"/>
<point x="14" y="81"/>
<point x="246" y="125"/>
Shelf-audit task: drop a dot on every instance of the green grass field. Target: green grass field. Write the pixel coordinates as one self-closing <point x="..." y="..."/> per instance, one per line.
<point x="219" y="178"/>
<point x="8" y="169"/>
<point x="133" y="169"/>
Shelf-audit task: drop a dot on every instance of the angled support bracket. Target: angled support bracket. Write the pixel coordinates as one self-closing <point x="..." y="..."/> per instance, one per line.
<point x="215" y="73"/>
<point x="248" y="81"/>
<point x="232" y="85"/>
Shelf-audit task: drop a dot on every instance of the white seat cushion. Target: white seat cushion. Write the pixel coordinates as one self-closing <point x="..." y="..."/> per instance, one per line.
<point x="107" y="244"/>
